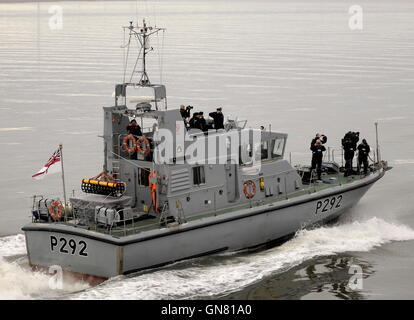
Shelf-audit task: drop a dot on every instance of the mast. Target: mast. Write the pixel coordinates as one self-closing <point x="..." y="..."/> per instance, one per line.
<point x="142" y="34"/>
<point x="377" y="145"/>
<point x="144" y="77"/>
<point x="139" y="35"/>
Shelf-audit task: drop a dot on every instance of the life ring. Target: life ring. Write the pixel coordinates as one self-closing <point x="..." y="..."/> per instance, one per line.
<point x="56" y="215"/>
<point x="247" y="193"/>
<point x="153" y="187"/>
<point x="125" y="144"/>
<point x="147" y="148"/>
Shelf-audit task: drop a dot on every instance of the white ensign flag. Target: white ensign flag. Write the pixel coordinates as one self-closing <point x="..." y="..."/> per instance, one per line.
<point x="52" y="166"/>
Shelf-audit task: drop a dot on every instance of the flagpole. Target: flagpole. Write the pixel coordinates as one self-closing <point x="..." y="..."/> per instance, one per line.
<point x="376" y="137"/>
<point x="63" y="173"/>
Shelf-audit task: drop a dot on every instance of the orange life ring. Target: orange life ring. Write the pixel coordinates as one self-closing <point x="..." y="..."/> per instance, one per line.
<point x="56" y="215"/>
<point x="153" y="187"/>
<point x="125" y="144"/>
<point x="147" y="148"/>
<point x="247" y="193"/>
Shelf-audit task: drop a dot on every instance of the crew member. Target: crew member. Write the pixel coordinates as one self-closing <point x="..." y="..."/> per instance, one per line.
<point x="201" y="122"/>
<point x="184" y="115"/>
<point x="356" y="139"/>
<point x="349" y="143"/>
<point x="218" y="118"/>
<point x="321" y="137"/>
<point x="185" y="111"/>
<point x="193" y="121"/>
<point x="317" y="155"/>
<point x="363" y="153"/>
<point x="134" y="128"/>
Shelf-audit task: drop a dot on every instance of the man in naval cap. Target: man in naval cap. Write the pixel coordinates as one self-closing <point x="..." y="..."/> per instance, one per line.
<point x="201" y="122"/>
<point x="317" y="155"/>
<point x="321" y="137"/>
<point x="218" y="118"/>
<point x="363" y="153"/>
<point x="193" y="121"/>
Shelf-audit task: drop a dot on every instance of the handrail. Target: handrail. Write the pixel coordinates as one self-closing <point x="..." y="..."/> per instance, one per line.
<point x="285" y="194"/>
<point x="193" y="190"/>
<point x="270" y="175"/>
<point x="125" y="230"/>
<point x="134" y="229"/>
<point x="129" y="161"/>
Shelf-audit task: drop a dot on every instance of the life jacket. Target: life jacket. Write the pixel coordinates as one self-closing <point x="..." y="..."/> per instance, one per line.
<point x="153" y="186"/>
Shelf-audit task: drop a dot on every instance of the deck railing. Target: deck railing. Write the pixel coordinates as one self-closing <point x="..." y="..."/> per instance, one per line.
<point x="129" y="226"/>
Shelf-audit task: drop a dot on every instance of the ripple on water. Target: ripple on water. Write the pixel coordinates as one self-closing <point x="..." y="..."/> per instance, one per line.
<point x="228" y="273"/>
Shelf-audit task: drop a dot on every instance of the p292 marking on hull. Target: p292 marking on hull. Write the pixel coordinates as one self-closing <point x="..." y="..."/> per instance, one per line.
<point x="328" y="204"/>
<point x="62" y="245"/>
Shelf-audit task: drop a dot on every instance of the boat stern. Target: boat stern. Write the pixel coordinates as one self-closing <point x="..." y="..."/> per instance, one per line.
<point x="73" y="251"/>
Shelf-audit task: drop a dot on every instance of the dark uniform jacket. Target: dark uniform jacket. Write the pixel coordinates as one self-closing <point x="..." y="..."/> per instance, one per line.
<point x="350" y="140"/>
<point x="363" y="151"/>
<point x="218" y="120"/>
<point x="134" y="130"/>
<point x="317" y="152"/>
<point x="192" y="122"/>
<point x="323" y="139"/>
<point x="201" y="124"/>
<point x="185" y="113"/>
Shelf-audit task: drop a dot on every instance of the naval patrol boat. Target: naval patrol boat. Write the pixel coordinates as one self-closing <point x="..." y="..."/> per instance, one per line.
<point x="161" y="198"/>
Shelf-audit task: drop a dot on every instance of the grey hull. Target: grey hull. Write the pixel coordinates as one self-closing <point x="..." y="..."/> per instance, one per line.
<point x="108" y="256"/>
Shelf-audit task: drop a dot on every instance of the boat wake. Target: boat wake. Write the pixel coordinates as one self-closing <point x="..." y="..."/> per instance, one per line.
<point x="12" y="245"/>
<point x="215" y="277"/>
<point x="212" y="276"/>
<point x="18" y="281"/>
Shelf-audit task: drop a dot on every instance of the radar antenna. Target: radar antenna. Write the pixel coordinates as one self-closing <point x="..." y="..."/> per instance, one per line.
<point x="142" y="35"/>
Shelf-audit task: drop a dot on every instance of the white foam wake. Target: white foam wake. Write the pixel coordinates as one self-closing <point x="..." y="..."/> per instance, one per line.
<point x="235" y="272"/>
<point x="18" y="281"/>
<point x="12" y="245"/>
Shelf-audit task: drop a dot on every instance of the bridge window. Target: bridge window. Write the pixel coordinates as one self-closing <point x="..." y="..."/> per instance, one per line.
<point x="199" y="175"/>
<point x="245" y="154"/>
<point x="143" y="176"/>
<point x="278" y="147"/>
<point x="264" y="150"/>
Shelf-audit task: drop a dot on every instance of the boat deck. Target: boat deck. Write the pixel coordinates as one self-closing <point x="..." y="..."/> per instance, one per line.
<point x="147" y="223"/>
